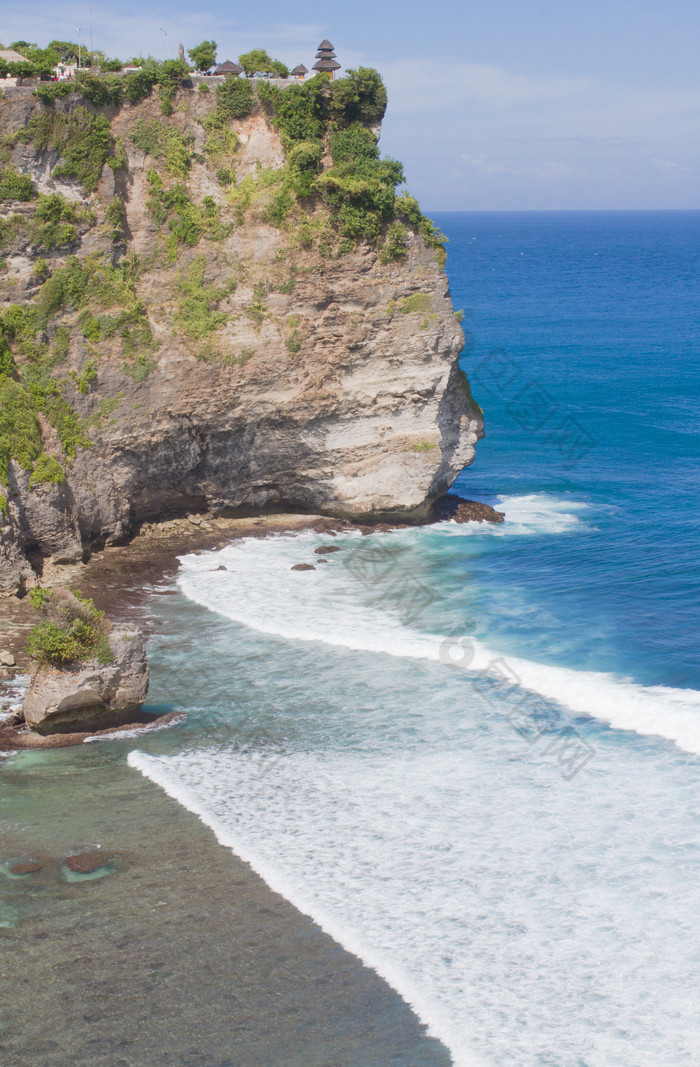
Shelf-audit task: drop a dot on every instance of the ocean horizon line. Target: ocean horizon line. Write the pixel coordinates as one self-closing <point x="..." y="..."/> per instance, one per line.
<point x="567" y="211"/>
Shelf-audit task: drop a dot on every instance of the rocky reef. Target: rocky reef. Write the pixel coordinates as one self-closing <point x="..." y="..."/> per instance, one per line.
<point x="208" y="310"/>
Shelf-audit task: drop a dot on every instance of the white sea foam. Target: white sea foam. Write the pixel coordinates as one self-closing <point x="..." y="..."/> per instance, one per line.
<point x="136" y="731"/>
<point x="527" y="514"/>
<point x="181" y="780"/>
<point x="12" y="694"/>
<point x="527" y="920"/>
<point x="524" y="919"/>
<point x="334" y="604"/>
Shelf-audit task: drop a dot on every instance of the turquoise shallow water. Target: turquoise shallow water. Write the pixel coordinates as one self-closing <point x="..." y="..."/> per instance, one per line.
<point x="471" y="753"/>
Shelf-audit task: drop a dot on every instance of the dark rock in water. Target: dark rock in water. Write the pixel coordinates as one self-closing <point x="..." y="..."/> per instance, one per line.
<point x="25" y="867"/>
<point x="87" y="862"/>
<point x="221" y="568"/>
<point x="15" y="719"/>
<point x="323" y="550"/>
<point x="90" y="696"/>
<point x="303" y="567"/>
<point x="321" y="561"/>
<point x="459" y="510"/>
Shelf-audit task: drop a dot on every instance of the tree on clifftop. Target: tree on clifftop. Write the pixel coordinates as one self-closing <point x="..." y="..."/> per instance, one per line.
<point x="258" y="61"/>
<point x="203" y="55"/>
<point x="67" y="50"/>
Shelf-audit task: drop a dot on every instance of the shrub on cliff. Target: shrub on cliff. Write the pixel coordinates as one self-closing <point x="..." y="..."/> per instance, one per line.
<point x="360" y="187"/>
<point x="234" y="100"/>
<point x="138" y="86"/>
<point x="354" y="144"/>
<point x="358" y="97"/>
<point x="395" y="247"/>
<point x="20" y="433"/>
<point x="73" y="630"/>
<point x="14" y="186"/>
<point x="100" y="90"/>
<point x="47" y="471"/>
<point x="362" y="196"/>
<point x="407" y="208"/>
<point x="54" y="221"/>
<point x="297" y="112"/>
<point x="82" y="140"/>
<point x="163" y="141"/>
<point x="187" y="221"/>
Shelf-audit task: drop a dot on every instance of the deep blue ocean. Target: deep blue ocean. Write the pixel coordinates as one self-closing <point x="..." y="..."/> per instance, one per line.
<point x="584" y="351"/>
<point x="472" y="753"/>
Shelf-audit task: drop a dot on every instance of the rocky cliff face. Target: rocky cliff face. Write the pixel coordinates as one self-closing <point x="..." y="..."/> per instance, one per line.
<point x="192" y="339"/>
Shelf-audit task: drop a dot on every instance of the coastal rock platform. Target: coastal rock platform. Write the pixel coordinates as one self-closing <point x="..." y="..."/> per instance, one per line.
<point x="93" y="696"/>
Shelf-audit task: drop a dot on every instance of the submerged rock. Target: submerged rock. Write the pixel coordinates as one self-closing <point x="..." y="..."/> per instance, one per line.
<point x="303" y="567"/>
<point x="23" y="867"/>
<point x="87" y="862"/>
<point x="90" y="696"/>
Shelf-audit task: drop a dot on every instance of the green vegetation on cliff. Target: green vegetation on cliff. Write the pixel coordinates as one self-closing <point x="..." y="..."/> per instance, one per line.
<point x="163" y="141"/>
<point x="88" y="298"/>
<point x="55" y="220"/>
<point x="82" y="140"/>
<point x="333" y="192"/>
<point x="72" y="630"/>
<point x="359" y="189"/>
<point x="14" y="186"/>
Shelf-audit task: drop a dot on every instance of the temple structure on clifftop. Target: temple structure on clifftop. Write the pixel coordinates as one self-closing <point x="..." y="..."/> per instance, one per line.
<point x="325" y="58"/>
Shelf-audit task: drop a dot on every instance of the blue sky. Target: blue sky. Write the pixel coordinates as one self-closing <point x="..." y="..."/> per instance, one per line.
<point x="505" y="105"/>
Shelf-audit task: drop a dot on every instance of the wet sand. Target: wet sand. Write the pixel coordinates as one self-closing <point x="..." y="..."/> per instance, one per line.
<point x="179" y="953"/>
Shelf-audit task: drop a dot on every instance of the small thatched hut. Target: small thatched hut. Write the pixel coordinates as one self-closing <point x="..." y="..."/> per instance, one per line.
<point x="10" y="56"/>
<point x="229" y="68"/>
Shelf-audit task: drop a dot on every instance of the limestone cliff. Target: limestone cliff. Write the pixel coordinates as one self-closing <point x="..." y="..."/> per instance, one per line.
<point x="213" y="324"/>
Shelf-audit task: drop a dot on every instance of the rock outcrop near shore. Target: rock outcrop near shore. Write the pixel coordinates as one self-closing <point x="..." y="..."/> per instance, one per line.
<point x="208" y="356"/>
<point x="90" y="696"/>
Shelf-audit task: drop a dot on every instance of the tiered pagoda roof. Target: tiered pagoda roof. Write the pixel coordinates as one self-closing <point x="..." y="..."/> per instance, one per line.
<point x="326" y="61"/>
